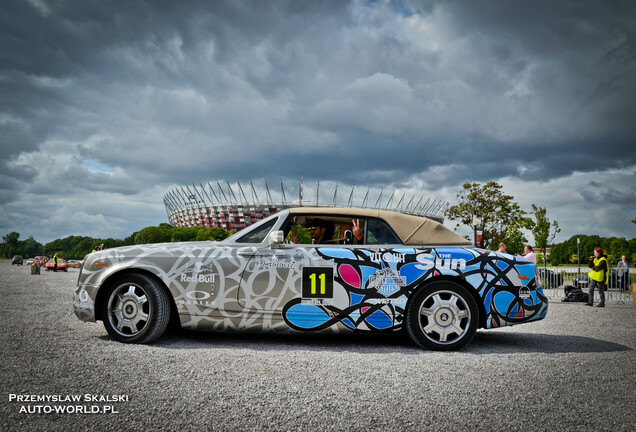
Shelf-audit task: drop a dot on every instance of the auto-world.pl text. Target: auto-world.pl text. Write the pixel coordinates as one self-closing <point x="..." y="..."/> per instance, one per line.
<point x="67" y="404"/>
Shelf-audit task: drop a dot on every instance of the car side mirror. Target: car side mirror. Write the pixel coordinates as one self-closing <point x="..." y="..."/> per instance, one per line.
<point x="348" y="237"/>
<point x="276" y="238"/>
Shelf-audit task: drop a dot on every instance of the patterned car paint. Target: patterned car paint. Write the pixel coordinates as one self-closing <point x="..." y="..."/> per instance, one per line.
<point x="230" y="287"/>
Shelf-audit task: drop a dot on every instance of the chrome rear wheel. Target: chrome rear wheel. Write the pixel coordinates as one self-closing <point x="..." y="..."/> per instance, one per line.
<point x="442" y="316"/>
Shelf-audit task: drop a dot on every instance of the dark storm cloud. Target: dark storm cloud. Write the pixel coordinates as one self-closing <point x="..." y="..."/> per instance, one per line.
<point x="128" y="98"/>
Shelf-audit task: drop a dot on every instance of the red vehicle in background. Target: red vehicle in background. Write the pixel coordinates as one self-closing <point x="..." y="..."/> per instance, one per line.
<point x="62" y="265"/>
<point x="39" y="260"/>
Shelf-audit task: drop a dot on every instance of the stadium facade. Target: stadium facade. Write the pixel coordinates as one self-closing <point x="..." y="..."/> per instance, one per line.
<point x="224" y="205"/>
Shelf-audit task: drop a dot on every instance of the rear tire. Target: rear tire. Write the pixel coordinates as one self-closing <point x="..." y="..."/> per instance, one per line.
<point x="442" y="316"/>
<point x="136" y="309"/>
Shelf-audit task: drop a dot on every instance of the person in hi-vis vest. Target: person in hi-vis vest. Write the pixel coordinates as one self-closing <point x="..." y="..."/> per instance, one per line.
<point x="598" y="276"/>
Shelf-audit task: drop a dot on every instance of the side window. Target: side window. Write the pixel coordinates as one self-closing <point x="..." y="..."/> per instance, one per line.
<point x="298" y="235"/>
<point x="378" y="232"/>
<point x="257" y="235"/>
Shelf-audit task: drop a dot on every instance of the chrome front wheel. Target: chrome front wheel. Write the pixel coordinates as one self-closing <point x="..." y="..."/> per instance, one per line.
<point x="137" y="309"/>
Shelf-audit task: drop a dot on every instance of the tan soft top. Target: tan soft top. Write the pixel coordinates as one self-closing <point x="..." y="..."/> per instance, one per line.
<point x="412" y="230"/>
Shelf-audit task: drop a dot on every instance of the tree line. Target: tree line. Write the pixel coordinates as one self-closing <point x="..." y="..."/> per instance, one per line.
<point x="77" y="247"/>
<point x="488" y="210"/>
<point x="614" y="247"/>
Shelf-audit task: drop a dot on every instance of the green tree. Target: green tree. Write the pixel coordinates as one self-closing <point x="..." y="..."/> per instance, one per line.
<point x="11" y="239"/>
<point x="498" y="216"/>
<point x="562" y="252"/>
<point x="543" y="230"/>
<point x="616" y="248"/>
<point x="9" y="245"/>
<point x="153" y="235"/>
<point x="514" y="239"/>
<point x="30" y="247"/>
<point x="82" y="248"/>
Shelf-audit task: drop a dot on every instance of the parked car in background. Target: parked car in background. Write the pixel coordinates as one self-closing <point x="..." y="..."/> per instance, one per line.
<point x="71" y="263"/>
<point x="402" y="272"/>
<point x="29" y="261"/>
<point x="613" y="278"/>
<point x="39" y="260"/>
<point x="581" y="281"/>
<point x="62" y="265"/>
<point x="17" y="259"/>
<point x="550" y="278"/>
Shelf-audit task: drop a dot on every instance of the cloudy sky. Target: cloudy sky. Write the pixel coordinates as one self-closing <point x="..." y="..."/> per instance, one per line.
<point x="105" y="106"/>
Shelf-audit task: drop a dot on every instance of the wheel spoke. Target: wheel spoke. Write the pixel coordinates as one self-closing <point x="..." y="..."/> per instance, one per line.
<point x="123" y="324"/>
<point x="427" y="312"/>
<point x="431" y="327"/>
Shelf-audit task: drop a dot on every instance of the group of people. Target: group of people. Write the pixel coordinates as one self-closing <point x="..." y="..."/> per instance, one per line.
<point x="55" y="260"/>
<point x="598" y="273"/>
<point x="528" y="253"/>
<point x="321" y="231"/>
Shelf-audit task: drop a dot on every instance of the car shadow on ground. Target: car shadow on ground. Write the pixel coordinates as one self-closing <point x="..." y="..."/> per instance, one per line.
<point x="484" y="342"/>
<point x="492" y="342"/>
<point x="351" y="342"/>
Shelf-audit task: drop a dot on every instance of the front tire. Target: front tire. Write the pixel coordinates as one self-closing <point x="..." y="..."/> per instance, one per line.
<point x="442" y="316"/>
<point x="136" y="309"/>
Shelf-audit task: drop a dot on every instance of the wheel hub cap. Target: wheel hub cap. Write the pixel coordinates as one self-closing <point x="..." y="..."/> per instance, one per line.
<point x="443" y="316"/>
<point x="129" y="310"/>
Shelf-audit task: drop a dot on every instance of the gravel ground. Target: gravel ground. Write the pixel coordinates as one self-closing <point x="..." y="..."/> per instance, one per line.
<point x="575" y="370"/>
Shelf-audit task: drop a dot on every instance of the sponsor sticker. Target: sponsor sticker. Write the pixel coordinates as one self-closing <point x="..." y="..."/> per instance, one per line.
<point x="197" y="298"/>
<point x="428" y="261"/>
<point x="277" y="264"/>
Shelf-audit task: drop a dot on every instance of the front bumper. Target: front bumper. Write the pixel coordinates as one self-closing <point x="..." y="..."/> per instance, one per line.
<point x="84" y="302"/>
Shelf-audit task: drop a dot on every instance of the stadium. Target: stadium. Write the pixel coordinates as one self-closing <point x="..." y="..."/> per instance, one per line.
<point x="228" y="206"/>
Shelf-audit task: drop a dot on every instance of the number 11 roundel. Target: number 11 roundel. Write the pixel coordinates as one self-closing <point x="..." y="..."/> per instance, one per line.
<point x="317" y="282"/>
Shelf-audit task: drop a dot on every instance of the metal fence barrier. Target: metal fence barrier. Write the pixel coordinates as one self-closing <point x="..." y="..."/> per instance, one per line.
<point x="552" y="279"/>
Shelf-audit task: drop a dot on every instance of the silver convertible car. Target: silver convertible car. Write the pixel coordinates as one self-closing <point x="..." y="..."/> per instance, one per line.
<point x="313" y="270"/>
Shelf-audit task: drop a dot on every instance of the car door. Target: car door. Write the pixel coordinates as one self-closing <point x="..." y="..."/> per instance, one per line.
<point x="272" y="277"/>
<point x="205" y="280"/>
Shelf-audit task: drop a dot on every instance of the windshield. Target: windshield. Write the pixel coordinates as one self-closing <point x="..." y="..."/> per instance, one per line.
<point x="254" y="233"/>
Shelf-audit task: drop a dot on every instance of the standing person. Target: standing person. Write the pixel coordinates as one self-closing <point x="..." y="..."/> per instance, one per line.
<point x="55" y="262"/>
<point x="529" y="254"/>
<point x="502" y="248"/>
<point x="623" y="273"/>
<point x="598" y="276"/>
